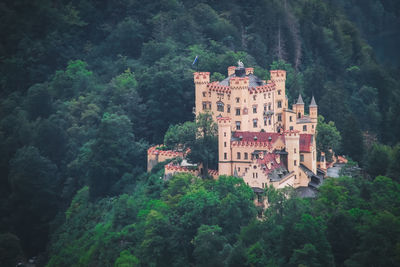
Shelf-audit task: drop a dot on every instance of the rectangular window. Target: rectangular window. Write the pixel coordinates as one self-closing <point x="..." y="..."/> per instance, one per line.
<point x="265" y="96"/>
<point x="246" y="156"/>
<point x="255" y="123"/>
<point x="279" y="117"/>
<point x="220" y="106"/>
<point x="265" y="121"/>
<point x="279" y="104"/>
<point x="279" y="92"/>
<point x="209" y="105"/>
<point x="225" y="156"/>
<point x="204" y="105"/>
<point x="228" y="109"/>
<point x="269" y="95"/>
<point x="295" y="163"/>
<point x="204" y="94"/>
<point x="295" y="151"/>
<point x="254" y="97"/>
<point x="238" y="125"/>
<point x="265" y="107"/>
<point x="237" y="99"/>
<point x="254" y="109"/>
<point x="238" y="155"/>
<point x="269" y="106"/>
<point x="238" y="112"/>
<point x="224" y="144"/>
<point x="291" y="128"/>
<point x="290" y="118"/>
<point x="224" y="134"/>
<point x="304" y="128"/>
<point x="301" y="158"/>
<point x="269" y="121"/>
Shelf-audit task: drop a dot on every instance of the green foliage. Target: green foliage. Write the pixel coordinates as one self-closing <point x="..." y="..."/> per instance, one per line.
<point x="328" y="137"/>
<point x="90" y="84"/>
<point x="126" y="259"/>
<point x="10" y="250"/>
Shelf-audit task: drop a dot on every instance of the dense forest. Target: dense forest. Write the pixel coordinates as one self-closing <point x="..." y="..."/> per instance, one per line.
<point x="87" y="86"/>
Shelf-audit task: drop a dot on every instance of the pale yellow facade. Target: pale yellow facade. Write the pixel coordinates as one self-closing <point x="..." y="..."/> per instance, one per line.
<point x="249" y="110"/>
<point x="260" y="139"/>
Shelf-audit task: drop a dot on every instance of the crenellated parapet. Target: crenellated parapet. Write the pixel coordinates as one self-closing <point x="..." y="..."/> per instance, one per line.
<point x="215" y="86"/>
<point x="201" y="77"/>
<point x="278" y="75"/>
<point x="262" y="89"/>
<point x="155" y="154"/>
<point x="239" y="82"/>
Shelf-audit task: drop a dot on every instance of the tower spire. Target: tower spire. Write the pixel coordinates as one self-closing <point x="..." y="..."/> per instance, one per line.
<point x="313" y="103"/>
<point x="300" y="100"/>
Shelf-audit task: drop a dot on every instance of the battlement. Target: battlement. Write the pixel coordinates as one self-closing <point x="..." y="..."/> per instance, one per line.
<point x="239" y="82"/>
<point x="201" y="77"/>
<point x="278" y="74"/>
<point x="262" y="89"/>
<point x="155" y="150"/>
<point x="221" y="120"/>
<point x="294" y="133"/>
<point x="231" y="70"/>
<point x="249" y="71"/>
<point x="215" y="86"/>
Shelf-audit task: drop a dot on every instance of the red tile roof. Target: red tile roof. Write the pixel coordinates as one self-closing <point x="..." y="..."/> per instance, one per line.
<point x="261" y="136"/>
<point x="305" y="142"/>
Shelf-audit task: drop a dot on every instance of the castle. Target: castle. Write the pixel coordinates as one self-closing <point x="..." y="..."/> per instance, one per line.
<point x="260" y="138"/>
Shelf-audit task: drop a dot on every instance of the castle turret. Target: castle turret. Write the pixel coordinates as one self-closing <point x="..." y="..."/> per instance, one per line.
<point x="299" y="107"/>
<point x="201" y="79"/>
<point x="224" y="146"/>
<point x="313" y="110"/>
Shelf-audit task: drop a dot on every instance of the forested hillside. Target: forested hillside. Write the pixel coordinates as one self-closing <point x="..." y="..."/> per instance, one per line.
<point x="87" y="86"/>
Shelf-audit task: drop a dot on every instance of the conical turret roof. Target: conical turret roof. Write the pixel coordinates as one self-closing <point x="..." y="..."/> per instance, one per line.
<point x="300" y="100"/>
<point x="313" y="103"/>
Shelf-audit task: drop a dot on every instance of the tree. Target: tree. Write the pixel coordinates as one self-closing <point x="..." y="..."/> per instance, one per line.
<point x="352" y="139"/>
<point x="328" y="137"/>
<point x="10" y="250"/>
<point x="113" y="153"/>
<point x="378" y="160"/>
<point x="126" y="259"/>
<point x="38" y="101"/>
<point x="33" y="180"/>
<point x="208" y="246"/>
<point x="204" y="149"/>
